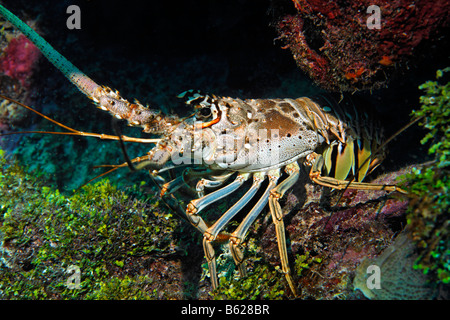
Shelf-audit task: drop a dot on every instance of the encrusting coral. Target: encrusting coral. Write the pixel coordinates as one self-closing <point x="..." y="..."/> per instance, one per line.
<point x="398" y="280"/>
<point x="417" y="264"/>
<point x="428" y="214"/>
<point x="18" y="60"/>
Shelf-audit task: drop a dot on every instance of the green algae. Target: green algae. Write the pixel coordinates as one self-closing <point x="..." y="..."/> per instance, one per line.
<point x="264" y="282"/>
<point x="428" y="214"/>
<point x="102" y="231"/>
<point x="304" y="262"/>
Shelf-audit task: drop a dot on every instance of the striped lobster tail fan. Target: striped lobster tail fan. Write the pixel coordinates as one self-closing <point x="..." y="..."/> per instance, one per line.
<point x="78" y="78"/>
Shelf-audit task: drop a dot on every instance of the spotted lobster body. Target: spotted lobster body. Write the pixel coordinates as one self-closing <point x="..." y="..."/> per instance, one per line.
<point x="255" y="139"/>
<point x="262" y="134"/>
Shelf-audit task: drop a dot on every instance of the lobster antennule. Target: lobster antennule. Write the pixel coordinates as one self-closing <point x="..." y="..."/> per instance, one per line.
<point x="153" y="121"/>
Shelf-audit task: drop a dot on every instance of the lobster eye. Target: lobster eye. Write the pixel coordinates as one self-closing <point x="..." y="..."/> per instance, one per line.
<point x="204" y="112"/>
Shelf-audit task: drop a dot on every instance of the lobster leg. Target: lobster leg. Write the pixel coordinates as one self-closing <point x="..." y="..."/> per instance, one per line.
<point x="315" y="175"/>
<point x="192" y="215"/>
<point x="199" y="204"/>
<point x="171" y="186"/>
<point x="212" y="232"/>
<point x="211" y="258"/>
<point x="277" y="216"/>
<point x="238" y="236"/>
<point x="196" y="205"/>
<point x="217" y="227"/>
<point x="184" y="180"/>
<point x="216" y="181"/>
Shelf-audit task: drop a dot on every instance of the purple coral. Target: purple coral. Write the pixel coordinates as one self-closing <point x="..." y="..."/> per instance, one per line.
<point x="19" y="59"/>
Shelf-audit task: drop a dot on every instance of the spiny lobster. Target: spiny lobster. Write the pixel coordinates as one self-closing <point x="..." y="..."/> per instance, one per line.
<point x="262" y="140"/>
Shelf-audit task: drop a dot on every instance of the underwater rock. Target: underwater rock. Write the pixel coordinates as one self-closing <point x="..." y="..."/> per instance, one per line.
<point x="335" y="44"/>
<point x="10" y="113"/>
<point x="361" y="226"/>
<point x="397" y="278"/>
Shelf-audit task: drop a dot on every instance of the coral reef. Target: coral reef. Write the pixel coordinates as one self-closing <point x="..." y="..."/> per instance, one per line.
<point x="19" y="59"/>
<point x="398" y="279"/>
<point x="417" y="264"/>
<point x="331" y="42"/>
<point x="128" y="246"/>
<point x="11" y="115"/>
<point x="428" y="215"/>
<point x="263" y="282"/>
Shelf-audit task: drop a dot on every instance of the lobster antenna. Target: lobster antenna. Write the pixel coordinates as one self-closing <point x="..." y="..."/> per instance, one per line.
<point x="122" y="145"/>
<point x="73" y="132"/>
<point x="96" y="177"/>
<point x="78" y="78"/>
<point x="153" y="121"/>
<point x="113" y="168"/>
